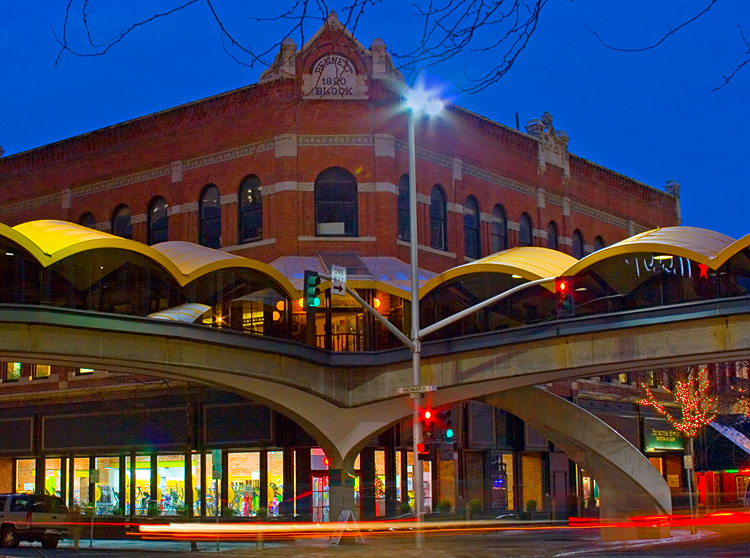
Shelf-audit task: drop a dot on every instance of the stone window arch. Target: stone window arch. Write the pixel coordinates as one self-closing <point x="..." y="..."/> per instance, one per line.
<point x="499" y="229"/>
<point x="472" y="240"/>
<point x="249" y="210"/>
<point x="438" y="219"/>
<point x="404" y="226"/>
<point x="525" y="231"/>
<point x="209" y="217"/>
<point x="336" y="203"/>
<point x="553" y="239"/>
<point x="87" y="220"/>
<point x="121" y="224"/>
<point x="576" y="244"/>
<point x="158" y="224"/>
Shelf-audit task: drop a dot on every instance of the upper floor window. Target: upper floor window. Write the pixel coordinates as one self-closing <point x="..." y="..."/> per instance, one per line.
<point x="209" y="215"/>
<point x="158" y="225"/>
<point x="438" y="219"/>
<point x="599" y="243"/>
<point x="525" y="231"/>
<point x="403" y="208"/>
<point x="121" y="222"/>
<point x="87" y="220"/>
<point x="552" y="239"/>
<point x="499" y="229"/>
<point x="250" y="209"/>
<point x="577" y="244"/>
<point x="336" y="203"/>
<point x="472" y="247"/>
<point x="40" y="371"/>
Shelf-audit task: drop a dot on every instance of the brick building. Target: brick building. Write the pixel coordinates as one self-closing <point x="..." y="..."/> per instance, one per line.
<point x="310" y="161"/>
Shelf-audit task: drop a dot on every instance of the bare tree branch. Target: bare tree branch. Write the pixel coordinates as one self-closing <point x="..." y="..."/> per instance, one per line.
<point x="728" y="78"/>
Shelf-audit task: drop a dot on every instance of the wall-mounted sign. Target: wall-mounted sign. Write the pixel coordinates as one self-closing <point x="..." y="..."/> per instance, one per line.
<point x="333" y="76"/>
<point x="662" y="440"/>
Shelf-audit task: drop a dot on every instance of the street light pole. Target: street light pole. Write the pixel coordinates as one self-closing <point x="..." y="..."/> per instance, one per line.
<point x="417" y="476"/>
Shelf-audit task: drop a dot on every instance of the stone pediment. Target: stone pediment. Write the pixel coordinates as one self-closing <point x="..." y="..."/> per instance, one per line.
<point x="332" y="64"/>
<point x="552" y="147"/>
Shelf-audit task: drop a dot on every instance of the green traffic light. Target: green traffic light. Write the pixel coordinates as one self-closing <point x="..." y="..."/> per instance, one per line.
<point x="449" y="433"/>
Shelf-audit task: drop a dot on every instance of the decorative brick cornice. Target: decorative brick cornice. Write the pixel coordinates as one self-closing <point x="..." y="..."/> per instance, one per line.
<point x="335" y="140"/>
<point x="230" y="154"/>
<point x="499" y="180"/>
<point x="601" y="215"/>
<point x="426" y="155"/>
<point x="30" y="203"/>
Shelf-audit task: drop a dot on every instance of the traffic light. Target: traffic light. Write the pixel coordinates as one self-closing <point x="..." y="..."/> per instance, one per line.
<point x="311" y="290"/>
<point x="566" y="307"/>
<point x="444" y="424"/>
<point x="425" y="415"/>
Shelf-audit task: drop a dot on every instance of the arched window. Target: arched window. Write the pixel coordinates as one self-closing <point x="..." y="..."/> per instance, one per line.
<point x="336" y="203"/>
<point x="120" y="224"/>
<point x="577" y="244"/>
<point x="209" y="216"/>
<point x="471" y="228"/>
<point x="250" y="208"/>
<point x="403" y="208"/>
<point x="87" y="220"/>
<point x="499" y="229"/>
<point x="525" y="232"/>
<point x="158" y="225"/>
<point x="599" y="243"/>
<point x="552" y="240"/>
<point x="438" y="219"/>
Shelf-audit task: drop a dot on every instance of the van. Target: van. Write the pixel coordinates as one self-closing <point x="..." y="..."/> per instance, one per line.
<point x="32" y="517"/>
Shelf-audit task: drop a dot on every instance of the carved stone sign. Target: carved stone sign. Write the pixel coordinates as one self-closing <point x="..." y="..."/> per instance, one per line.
<point x="333" y="76"/>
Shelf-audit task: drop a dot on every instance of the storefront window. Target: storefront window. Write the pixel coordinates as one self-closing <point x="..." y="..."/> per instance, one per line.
<point x="142" y="484"/>
<point x="510" y="480"/>
<point x="213" y="487"/>
<point x="398" y="478"/>
<point x="244" y="483"/>
<point x="275" y="481"/>
<point x="197" y="484"/>
<point x="171" y="490"/>
<point x="426" y="483"/>
<point x="107" y="486"/>
<point x="41" y="370"/>
<point x="81" y="481"/>
<point x="25" y="475"/>
<point x="12" y="371"/>
<point x="52" y="476"/>
<point x="128" y="483"/>
<point x="380" y="483"/>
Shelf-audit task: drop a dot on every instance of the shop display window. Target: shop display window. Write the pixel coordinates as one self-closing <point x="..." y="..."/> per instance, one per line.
<point x="41" y="371"/>
<point x="380" y="483"/>
<point x="52" y="476"/>
<point x="510" y="479"/>
<point x="12" y="372"/>
<point x="128" y="483"/>
<point x="107" y="486"/>
<point x="80" y="495"/>
<point x="195" y="471"/>
<point x="143" y="497"/>
<point x="170" y="494"/>
<point x="275" y="481"/>
<point x="398" y="477"/>
<point x="426" y="482"/>
<point x="213" y="488"/>
<point x="244" y="483"/>
<point x="25" y="475"/>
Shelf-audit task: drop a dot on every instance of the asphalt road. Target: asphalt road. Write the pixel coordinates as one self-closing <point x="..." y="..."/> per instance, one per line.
<point x="558" y="543"/>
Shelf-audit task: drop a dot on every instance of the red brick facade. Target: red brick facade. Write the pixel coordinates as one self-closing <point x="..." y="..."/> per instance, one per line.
<point x="287" y="131"/>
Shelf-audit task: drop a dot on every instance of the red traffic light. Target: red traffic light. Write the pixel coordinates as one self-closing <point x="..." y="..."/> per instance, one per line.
<point x="427" y="414"/>
<point x="561" y="285"/>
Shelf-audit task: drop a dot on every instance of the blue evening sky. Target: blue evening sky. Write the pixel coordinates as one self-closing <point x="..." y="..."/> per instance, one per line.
<point x="652" y="116"/>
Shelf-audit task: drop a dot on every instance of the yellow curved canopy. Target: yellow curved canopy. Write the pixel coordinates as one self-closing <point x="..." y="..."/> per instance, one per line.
<point x="529" y="262"/>
<point x="700" y="245"/>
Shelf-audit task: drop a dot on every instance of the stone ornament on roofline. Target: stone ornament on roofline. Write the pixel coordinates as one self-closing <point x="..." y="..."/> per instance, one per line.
<point x="552" y="147"/>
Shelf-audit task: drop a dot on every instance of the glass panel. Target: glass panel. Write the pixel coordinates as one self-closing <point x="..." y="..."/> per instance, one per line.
<point x="197" y="486"/>
<point x="84" y="371"/>
<point x="320" y="504"/>
<point x="275" y="481"/>
<point x="25" y="475"/>
<point x="244" y="483"/>
<point x="52" y="478"/>
<point x="319" y="462"/>
<point x="380" y="483"/>
<point x="12" y="371"/>
<point x="398" y="479"/>
<point x="213" y="488"/>
<point x="142" y="484"/>
<point x="81" y="481"/>
<point x="510" y="483"/>
<point x="107" y="488"/>
<point x="170" y="494"/>
<point x="42" y="371"/>
<point x="128" y="484"/>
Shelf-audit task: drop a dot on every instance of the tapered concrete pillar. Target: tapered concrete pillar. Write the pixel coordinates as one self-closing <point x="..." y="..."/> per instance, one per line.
<point x="340" y="486"/>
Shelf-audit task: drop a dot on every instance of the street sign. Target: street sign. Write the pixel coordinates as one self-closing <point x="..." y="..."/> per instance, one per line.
<point x="688" y="460"/>
<point x="338" y="280"/>
<point x="416" y="389"/>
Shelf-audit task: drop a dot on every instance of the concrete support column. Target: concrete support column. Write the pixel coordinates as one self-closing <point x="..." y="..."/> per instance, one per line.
<point x="340" y="486"/>
<point x="391" y="510"/>
<point x="304" y="484"/>
<point x="287" y="503"/>
<point x="367" y="483"/>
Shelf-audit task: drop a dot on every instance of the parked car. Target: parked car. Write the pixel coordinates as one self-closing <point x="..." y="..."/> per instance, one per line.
<point x="746" y="500"/>
<point x="32" y="517"/>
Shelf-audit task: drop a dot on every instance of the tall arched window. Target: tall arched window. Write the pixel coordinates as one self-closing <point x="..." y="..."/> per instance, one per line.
<point x="403" y="208"/>
<point x="552" y="239"/>
<point x="499" y="229"/>
<point x="471" y="228"/>
<point x="158" y="225"/>
<point x="577" y="244"/>
<point x="209" y="216"/>
<point x="336" y="203"/>
<point x="120" y="224"/>
<point x="525" y="232"/>
<point x="87" y="220"/>
<point x="250" y="208"/>
<point x="438" y="219"/>
<point x="599" y="243"/>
